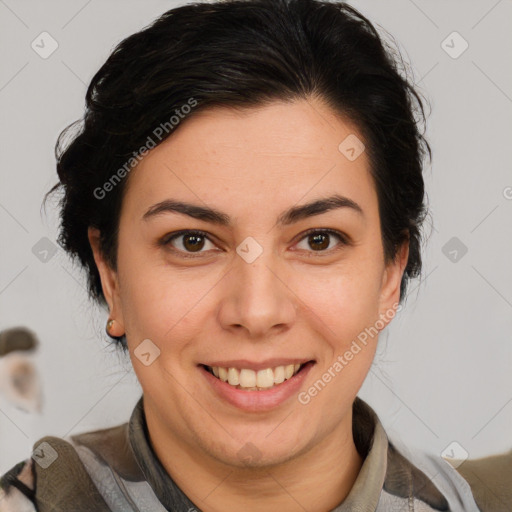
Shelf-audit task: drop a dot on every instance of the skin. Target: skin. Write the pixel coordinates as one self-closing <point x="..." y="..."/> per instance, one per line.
<point x="292" y="301"/>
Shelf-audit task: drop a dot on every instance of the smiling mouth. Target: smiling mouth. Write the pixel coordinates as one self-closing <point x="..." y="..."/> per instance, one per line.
<point x="251" y="380"/>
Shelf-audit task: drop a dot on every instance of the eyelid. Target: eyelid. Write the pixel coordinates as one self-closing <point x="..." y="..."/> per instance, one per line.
<point x="344" y="238"/>
<point x="166" y="239"/>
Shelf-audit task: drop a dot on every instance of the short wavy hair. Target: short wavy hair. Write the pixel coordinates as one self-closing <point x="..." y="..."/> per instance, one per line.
<point x="244" y="53"/>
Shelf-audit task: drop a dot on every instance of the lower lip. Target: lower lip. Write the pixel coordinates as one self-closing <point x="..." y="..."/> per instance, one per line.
<point x="257" y="401"/>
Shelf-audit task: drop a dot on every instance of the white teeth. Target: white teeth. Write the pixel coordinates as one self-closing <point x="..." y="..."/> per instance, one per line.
<point x="279" y="375"/>
<point x="265" y="378"/>
<point x="247" y="378"/>
<point x="223" y="374"/>
<point x="250" y="380"/>
<point x="233" y="376"/>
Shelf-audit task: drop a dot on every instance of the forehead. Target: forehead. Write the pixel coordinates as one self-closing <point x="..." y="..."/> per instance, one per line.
<point x="253" y="160"/>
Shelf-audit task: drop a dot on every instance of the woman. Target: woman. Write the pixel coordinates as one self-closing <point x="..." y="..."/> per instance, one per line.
<point x="246" y="196"/>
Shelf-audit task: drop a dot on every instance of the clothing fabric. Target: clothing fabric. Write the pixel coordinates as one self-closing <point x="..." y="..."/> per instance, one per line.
<point x="116" y="469"/>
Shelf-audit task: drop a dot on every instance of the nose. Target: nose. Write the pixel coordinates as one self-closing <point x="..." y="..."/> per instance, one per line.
<point x="257" y="300"/>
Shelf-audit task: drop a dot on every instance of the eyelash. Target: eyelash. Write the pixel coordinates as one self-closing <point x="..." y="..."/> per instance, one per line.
<point x="167" y="239"/>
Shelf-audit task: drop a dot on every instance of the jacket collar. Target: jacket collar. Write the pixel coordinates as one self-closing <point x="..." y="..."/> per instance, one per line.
<point x="369" y="437"/>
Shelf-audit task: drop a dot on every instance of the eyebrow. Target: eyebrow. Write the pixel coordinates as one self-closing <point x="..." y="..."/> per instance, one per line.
<point x="290" y="216"/>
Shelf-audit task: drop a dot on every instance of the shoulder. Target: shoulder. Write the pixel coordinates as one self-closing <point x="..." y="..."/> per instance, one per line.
<point x="44" y="480"/>
<point x="490" y="479"/>
<point x="17" y="489"/>
<point x="55" y="476"/>
<point x="481" y="485"/>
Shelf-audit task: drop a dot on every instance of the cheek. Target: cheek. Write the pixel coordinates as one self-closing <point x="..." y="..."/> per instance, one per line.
<point x="346" y="296"/>
<point x="163" y="304"/>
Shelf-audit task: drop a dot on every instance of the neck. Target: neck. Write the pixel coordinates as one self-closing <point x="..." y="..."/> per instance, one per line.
<point x="318" y="479"/>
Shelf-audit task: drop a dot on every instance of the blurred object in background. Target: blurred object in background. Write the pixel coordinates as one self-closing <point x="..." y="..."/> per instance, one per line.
<point x="20" y="382"/>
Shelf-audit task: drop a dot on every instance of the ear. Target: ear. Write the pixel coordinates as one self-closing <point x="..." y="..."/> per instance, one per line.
<point x="109" y="282"/>
<point x="390" y="288"/>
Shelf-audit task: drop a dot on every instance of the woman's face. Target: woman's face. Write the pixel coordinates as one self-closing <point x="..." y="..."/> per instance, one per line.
<point x="252" y="291"/>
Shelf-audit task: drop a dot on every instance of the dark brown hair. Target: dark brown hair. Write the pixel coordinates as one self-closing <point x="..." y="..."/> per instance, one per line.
<point x="242" y="53"/>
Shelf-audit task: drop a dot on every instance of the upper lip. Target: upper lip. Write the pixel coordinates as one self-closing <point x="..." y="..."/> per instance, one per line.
<point x="256" y="365"/>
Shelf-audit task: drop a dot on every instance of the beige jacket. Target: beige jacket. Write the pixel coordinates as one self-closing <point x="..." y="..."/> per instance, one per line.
<point x="115" y="469"/>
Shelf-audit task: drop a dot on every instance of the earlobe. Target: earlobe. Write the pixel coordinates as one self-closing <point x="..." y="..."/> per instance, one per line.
<point x="109" y="279"/>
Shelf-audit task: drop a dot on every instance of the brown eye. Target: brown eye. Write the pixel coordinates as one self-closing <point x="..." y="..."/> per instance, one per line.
<point x="320" y="240"/>
<point x="188" y="242"/>
<point x="193" y="242"/>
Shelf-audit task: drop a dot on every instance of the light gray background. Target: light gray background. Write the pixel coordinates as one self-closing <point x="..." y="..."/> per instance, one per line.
<point x="443" y="369"/>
